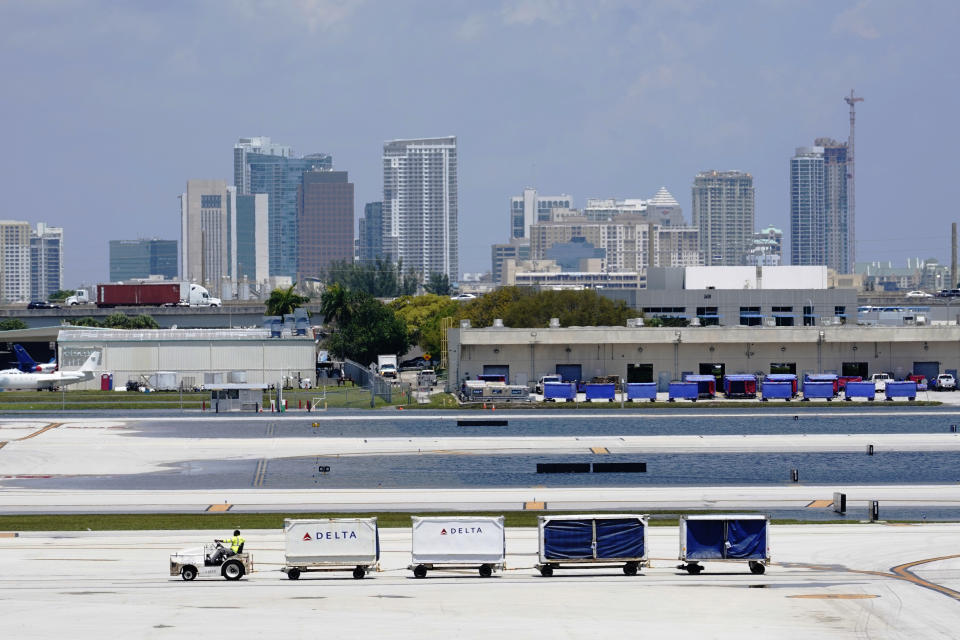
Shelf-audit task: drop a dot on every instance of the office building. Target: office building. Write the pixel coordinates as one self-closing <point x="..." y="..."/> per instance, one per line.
<point x="325" y="222"/>
<point x="241" y="168"/>
<point x="46" y="261"/>
<point x="723" y="211"/>
<point x="420" y="205"/>
<point x="517" y="249"/>
<point x="819" y="215"/>
<point x="530" y="208"/>
<point x="370" y="241"/>
<point x="252" y="233"/>
<point x="767" y="250"/>
<point x="663" y="209"/>
<point x="136" y="259"/>
<point x="206" y="211"/>
<point x="14" y="261"/>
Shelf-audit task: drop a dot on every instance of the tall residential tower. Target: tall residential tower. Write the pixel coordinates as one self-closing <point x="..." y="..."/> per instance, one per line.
<point x="723" y="211"/>
<point x="820" y="224"/>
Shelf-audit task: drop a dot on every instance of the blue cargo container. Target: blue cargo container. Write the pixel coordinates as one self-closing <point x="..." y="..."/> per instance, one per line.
<point x="683" y="390"/>
<point x="783" y="377"/>
<point x="832" y="378"/>
<point x="589" y="541"/>
<point x="556" y="391"/>
<point x="601" y="391"/>
<point x="740" y="385"/>
<point x="860" y="390"/>
<point x="818" y="390"/>
<point x="724" y="538"/>
<point x="706" y="385"/>
<point x="642" y="391"/>
<point x="904" y="389"/>
<point x="772" y="390"/>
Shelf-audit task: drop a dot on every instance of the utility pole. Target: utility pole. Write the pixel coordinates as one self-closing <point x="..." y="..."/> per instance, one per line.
<point x="851" y="184"/>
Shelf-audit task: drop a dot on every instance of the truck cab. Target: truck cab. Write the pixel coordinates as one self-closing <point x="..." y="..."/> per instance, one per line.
<point x="80" y="296"/>
<point x="200" y="297"/>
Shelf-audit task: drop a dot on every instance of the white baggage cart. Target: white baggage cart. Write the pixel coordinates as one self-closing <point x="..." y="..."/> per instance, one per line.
<point x="331" y="544"/>
<point x="458" y="542"/>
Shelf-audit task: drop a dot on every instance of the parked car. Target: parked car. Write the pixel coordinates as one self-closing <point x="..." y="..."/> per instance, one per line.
<point x="414" y="363"/>
<point x="919" y="294"/>
<point x="946" y="382"/>
<point x="880" y="380"/>
<point x="42" y="304"/>
<point x="463" y="296"/>
<point x="426" y="378"/>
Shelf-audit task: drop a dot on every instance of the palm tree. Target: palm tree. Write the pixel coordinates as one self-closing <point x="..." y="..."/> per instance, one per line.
<point x="284" y="301"/>
<point x="335" y="305"/>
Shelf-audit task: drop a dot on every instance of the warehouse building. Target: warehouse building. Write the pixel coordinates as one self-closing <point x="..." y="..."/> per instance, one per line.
<point x="188" y="357"/>
<point x="646" y="354"/>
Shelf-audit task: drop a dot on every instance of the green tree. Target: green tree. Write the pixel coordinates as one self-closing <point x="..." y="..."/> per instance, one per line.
<point x="380" y="279"/>
<point x="284" y="301"/>
<point x="336" y="303"/>
<point x="438" y="283"/>
<point x="524" y="307"/>
<point x="12" y="324"/>
<point x="86" y="321"/>
<point x="423" y="315"/>
<point x="60" y="295"/>
<point x="373" y="329"/>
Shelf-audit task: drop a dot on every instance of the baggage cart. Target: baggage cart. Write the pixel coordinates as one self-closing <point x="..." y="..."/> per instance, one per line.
<point x="601" y="391"/>
<point x="902" y="389"/>
<point x="859" y="389"/>
<point x="557" y="391"/>
<point x="783" y="377"/>
<point x="331" y="544"/>
<point x="592" y="541"/>
<point x="832" y="378"/>
<point x="457" y="542"/>
<point x="724" y="538"/>
<point x="642" y="391"/>
<point x="773" y="390"/>
<point x="818" y="390"/>
<point x="740" y="385"/>
<point x="683" y="390"/>
<point x="706" y="384"/>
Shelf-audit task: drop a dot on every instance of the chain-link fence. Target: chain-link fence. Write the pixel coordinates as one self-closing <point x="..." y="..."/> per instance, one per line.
<point x="361" y="376"/>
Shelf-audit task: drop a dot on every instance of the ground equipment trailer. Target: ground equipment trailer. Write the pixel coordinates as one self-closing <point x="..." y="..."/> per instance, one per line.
<point x="592" y="541"/>
<point x="458" y="542"/>
<point x="199" y="562"/>
<point x="331" y="544"/>
<point x="724" y="538"/>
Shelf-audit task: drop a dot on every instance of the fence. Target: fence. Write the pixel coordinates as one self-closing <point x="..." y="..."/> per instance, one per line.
<point x="363" y="377"/>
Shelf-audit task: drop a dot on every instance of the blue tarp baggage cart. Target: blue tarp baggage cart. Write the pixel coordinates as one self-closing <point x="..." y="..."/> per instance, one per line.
<point x="591" y="541"/>
<point x="642" y="391"/>
<point x="683" y="390"/>
<point x="457" y="542"/>
<point x="740" y="385"/>
<point x="904" y="389"/>
<point x="832" y="378"/>
<point x="331" y="544"/>
<point x="556" y="391"/>
<point x="783" y="377"/>
<point x="724" y="538"/>
<point x="601" y="391"/>
<point x="706" y="385"/>
<point x="818" y="390"/>
<point x="772" y="390"/>
<point x="866" y="390"/>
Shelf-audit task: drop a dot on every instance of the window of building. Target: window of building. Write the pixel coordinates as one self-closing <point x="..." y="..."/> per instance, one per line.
<point x="750" y="317"/>
<point x="708" y="316"/>
<point x="209" y="202"/>
<point x="809" y="319"/>
<point x="783" y="367"/>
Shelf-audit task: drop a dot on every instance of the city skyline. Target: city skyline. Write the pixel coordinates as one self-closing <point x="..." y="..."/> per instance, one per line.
<point x="618" y="109"/>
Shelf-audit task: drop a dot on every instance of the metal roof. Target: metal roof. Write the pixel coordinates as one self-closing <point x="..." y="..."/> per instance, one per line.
<point x="169" y="335"/>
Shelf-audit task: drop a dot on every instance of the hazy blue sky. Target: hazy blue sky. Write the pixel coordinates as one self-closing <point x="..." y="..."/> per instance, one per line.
<point x="109" y="107"/>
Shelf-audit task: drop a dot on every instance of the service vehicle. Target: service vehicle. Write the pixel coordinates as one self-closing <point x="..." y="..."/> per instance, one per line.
<point x="200" y="562"/>
<point x="946" y="382"/>
<point x="155" y="294"/>
<point x="880" y="380"/>
<point x="80" y="296"/>
<point x="545" y="379"/>
<point x="387" y="366"/>
<point x="426" y="378"/>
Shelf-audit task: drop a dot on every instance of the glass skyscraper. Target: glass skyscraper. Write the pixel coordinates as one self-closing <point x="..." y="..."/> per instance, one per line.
<point x="131" y="259"/>
<point x="371" y="233"/>
<point x="819" y="216"/>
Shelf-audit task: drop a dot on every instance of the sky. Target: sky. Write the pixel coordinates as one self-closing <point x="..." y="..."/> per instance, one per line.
<point x="110" y="107"/>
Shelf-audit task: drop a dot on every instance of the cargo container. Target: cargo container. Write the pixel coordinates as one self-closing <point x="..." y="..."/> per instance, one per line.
<point x="902" y="389"/>
<point x="832" y="378"/>
<point x="331" y="544"/>
<point x="556" y="391"/>
<point x="600" y="391"/>
<point x="591" y="541"/>
<point x="859" y="389"/>
<point x="773" y="390"/>
<point x="154" y="294"/>
<point x="457" y="542"/>
<point x="818" y="390"/>
<point x="706" y="385"/>
<point x="642" y="391"/>
<point x="783" y="377"/>
<point x="724" y="538"/>
<point x="683" y="390"/>
<point x="740" y="385"/>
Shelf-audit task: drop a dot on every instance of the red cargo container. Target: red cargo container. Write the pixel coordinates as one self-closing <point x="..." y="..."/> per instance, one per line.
<point x="155" y="294"/>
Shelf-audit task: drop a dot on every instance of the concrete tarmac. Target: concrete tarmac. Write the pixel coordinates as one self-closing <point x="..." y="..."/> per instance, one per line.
<point x="827" y="581"/>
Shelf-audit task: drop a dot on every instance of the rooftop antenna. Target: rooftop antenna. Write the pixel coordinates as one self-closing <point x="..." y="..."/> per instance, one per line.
<point x="851" y="184"/>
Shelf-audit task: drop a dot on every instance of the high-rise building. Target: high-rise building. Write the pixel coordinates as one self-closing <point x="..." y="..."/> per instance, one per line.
<point x="280" y="177"/>
<point x="253" y="252"/>
<point x="723" y="211"/>
<point x="530" y="208"/>
<point x="46" y="261"/>
<point x="206" y="212"/>
<point x="133" y="259"/>
<point x="241" y="169"/>
<point x="371" y="233"/>
<point x="14" y="261"/>
<point x="325" y="221"/>
<point x="517" y="249"/>
<point x="420" y="205"/>
<point x="819" y="216"/>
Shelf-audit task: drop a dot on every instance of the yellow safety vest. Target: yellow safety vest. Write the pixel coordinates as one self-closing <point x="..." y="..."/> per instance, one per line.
<point x="235" y="543"/>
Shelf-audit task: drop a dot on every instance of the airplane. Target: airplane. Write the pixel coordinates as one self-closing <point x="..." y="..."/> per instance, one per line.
<point x="20" y="380"/>
<point x="29" y="365"/>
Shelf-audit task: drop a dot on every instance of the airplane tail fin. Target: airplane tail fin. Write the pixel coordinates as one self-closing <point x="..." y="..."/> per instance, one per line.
<point x="92" y="362"/>
<point x="26" y="363"/>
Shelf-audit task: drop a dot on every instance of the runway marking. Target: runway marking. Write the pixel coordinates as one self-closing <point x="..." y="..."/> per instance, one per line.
<point x="600" y="450"/>
<point x="820" y="504"/>
<point x="534" y="506"/>
<point x="903" y="572"/>
<point x="835" y="596"/>
<point x="9" y="534"/>
<point x="261" y="472"/>
<point x="3" y="444"/>
<point x="219" y="508"/>
<point x="52" y="425"/>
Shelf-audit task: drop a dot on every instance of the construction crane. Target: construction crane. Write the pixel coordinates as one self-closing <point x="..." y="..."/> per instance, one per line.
<point x="851" y="190"/>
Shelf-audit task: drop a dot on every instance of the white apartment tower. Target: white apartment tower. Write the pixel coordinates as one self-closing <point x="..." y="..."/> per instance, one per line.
<point x="420" y="205"/>
<point x="14" y="261"/>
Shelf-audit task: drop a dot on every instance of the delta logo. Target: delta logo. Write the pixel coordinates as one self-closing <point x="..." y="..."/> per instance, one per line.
<point x="330" y="535"/>
<point x="455" y="531"/>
